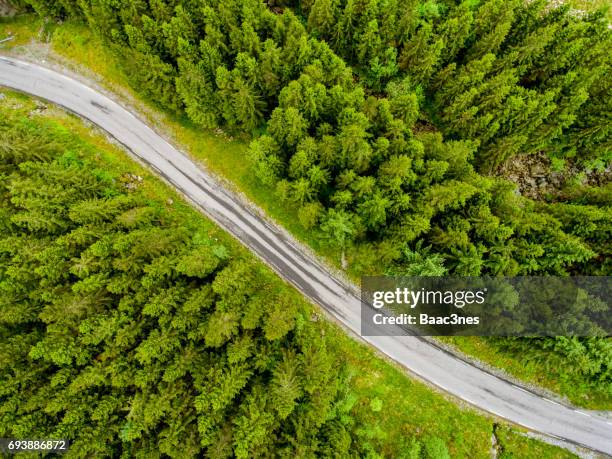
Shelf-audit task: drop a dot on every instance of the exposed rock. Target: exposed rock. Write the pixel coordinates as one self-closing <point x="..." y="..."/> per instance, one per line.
<point x="6" y="9"/>
<point x="536" y="180"/>
<point x="131" y="181"/>
<point x="40" y="108"/>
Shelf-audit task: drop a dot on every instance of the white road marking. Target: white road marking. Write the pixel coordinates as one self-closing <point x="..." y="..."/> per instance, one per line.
<point x="552" y="401"/>
<point x="521" y="389"/>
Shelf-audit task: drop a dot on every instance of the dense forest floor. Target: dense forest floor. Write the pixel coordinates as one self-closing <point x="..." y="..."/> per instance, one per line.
<point x="72" y="45"/>
<point x="385" y="404"/>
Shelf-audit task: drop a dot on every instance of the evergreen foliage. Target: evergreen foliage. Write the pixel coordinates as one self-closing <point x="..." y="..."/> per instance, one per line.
<point x="517" y="77"/>
<point x="382" y="121"/>
<point x="499" y="78"/>
<point x="132" y="331"/>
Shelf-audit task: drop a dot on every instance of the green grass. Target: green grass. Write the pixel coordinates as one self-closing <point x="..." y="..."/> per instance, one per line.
<point x="531" y="372"/>
<point x="23" y="29"/>
<point x="409" y="407"/>
<point x="78" y="49"/>
<point x="513" y="445"/>
<point x="592" y="5"/>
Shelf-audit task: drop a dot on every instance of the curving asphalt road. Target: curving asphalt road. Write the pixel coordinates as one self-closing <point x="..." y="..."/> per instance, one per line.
<point x="276" y="248"/>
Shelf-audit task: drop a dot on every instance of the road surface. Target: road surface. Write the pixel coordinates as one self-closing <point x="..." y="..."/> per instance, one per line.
<point x="455" y="376"/>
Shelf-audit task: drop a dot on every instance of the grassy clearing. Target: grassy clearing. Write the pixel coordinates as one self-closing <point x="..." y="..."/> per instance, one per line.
<point x="409" y="408"/>
<point x="78" y="49"/>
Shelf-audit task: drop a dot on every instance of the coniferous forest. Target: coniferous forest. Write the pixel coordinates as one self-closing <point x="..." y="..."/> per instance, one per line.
<point x="132" y="329"/>
<point x="383" y="122"/>
<point x="389" y="126"/>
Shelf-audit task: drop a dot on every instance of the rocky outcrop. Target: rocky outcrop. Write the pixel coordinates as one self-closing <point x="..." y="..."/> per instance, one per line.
<point x="7" y="9"/>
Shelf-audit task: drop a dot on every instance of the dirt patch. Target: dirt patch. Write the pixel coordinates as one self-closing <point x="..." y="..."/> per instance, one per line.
<point x="535" y="178"/>
<point x="422" y="126"/>
<point x="131" y="181"/>
<point x="39" y="109"/>
<point x="6" y="9"/>
<point x="495" y="447"/>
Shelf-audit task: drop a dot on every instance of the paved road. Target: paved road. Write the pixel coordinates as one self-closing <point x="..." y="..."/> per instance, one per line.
<point x="276" y="248"/>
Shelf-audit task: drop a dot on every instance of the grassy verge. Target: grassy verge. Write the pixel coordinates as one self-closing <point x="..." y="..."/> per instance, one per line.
<point x="405" y="409"/>
<point x="512" y="444"/>
<point x="78" y="49"/>
<point x="531" y="372"/>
